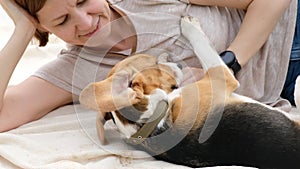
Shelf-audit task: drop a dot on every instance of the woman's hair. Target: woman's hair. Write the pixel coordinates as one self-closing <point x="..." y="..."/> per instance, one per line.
<point x="32" y="7"/>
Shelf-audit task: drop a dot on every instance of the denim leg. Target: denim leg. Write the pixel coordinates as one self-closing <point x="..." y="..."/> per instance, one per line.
<point x="289" y="86"/>
<point x="294" y="65"/>
<point x="296" y="42"/>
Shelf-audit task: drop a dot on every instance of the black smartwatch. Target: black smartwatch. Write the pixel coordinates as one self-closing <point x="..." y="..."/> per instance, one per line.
<point x="230" y="60"/>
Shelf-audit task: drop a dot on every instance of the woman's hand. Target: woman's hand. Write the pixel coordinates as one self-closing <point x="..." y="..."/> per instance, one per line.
<point x="191" y="74"/>
<point x="19" y="16"/>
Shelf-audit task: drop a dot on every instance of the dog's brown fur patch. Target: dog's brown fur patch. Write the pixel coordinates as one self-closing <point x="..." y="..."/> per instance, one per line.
<point x="201" y="97"/>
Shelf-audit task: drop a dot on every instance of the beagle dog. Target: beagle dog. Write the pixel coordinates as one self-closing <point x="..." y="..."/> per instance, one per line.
<point x="201" y="124"/>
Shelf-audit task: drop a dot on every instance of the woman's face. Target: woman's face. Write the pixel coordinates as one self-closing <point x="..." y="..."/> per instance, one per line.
<point x="74" y="21"/>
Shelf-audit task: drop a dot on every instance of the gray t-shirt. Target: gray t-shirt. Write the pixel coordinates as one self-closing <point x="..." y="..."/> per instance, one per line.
<point x="157" y="26"/>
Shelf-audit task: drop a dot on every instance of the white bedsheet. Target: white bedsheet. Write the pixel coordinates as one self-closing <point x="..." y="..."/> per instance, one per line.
<point x="66" y="139"/>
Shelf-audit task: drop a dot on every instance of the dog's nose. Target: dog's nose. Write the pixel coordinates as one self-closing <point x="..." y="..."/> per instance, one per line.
<point x="179" y="65"/>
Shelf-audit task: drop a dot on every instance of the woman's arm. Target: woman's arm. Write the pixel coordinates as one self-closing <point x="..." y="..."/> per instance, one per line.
<point x="30" y="100"/>
<point x="240" y="4"/>
<point x="34" y="97"/>
<point x="260" y="19"/>
<point x="15" y="47"/>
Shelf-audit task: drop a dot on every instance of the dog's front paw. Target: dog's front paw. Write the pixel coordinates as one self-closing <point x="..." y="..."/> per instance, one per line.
<point x="158" y="95"/>
<point x="190" y="26"/>
<point x="154" y="98"/>
<point x="164" y="57"/>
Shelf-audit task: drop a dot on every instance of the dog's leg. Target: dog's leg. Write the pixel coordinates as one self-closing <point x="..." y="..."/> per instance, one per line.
<point x="216" y="87"/>
<point x="208" y="57"/>
<point x="163" y="57"/>
<point x="155" y="97"/>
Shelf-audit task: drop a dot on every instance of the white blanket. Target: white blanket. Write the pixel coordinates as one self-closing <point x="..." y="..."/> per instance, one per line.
<point x="66" y="138"/>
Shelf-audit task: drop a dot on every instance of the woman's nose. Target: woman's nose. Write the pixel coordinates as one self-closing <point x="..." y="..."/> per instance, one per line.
<point x="83" y="21"/>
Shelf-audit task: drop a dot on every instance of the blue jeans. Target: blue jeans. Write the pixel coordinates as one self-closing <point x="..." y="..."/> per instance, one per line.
<point x="289" y="86"/>
<point x="294" y="65"/>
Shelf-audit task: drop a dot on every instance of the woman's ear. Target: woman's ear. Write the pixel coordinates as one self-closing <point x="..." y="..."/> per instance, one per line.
<point x="41" y="28"/>
<point x="42" y="35"/>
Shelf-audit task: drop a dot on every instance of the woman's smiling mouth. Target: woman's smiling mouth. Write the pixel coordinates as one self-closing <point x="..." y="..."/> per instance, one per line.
<point x="97" y="28"/>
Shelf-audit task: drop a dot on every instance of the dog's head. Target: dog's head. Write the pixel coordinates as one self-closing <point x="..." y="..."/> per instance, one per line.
<point x="139" y="82"/>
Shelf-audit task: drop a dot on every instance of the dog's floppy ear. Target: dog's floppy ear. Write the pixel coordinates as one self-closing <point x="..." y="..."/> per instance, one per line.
<point x="110" y="94"/>
<point x="100" y="128"/>
<point x="100" y="121"/>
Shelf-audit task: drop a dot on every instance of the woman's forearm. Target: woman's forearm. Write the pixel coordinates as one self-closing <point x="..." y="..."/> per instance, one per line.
<point x="239" y="4"/>
<point x="11" y="54"/>
<point x="259" y="21"/>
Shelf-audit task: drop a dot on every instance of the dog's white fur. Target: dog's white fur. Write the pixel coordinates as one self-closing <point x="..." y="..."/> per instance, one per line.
<point x="126" y="130"/>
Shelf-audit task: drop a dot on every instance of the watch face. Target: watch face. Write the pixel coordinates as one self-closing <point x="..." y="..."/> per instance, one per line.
<point x="228" y="57"/>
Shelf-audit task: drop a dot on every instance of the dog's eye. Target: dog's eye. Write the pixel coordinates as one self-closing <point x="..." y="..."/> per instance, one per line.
<point x="173" y="87"/>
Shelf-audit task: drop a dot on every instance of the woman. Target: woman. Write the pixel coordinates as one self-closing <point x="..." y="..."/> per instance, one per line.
<point x="88" y="27"/>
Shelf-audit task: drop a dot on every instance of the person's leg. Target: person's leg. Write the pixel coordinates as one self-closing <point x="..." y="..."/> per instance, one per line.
<point x="289" y="86"/>
<point x="294" y="65"/>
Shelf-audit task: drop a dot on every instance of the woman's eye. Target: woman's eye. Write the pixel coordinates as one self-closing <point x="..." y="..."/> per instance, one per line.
<point x="64" y="21"/>
<point x="80" y="2"/>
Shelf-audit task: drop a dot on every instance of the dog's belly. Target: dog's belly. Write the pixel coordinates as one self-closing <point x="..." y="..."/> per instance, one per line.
<point x="247" y="134"/>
